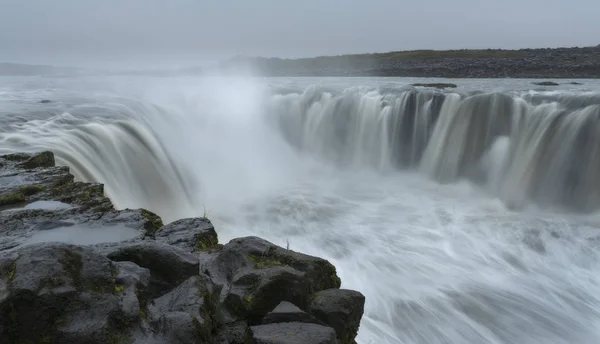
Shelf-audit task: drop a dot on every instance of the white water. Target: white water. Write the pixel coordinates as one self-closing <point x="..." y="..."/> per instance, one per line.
<point x="438" y="263"/>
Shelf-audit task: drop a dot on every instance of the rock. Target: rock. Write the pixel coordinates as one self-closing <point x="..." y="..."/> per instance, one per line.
<point x="287" y="312"/>
<point x="233" y="333"/>
<point x="257" y="275"/>
<point x="45" y="101"/>
<point x="59" y="293"/>
<point x="193" y="234"/>
<point x="341" y="309"/>
<point x="167" y="263"/>
<point x="293" y="333"/>
<point x="435" y="85"/>
<point x="546" y="83"/>
<point x="189" y="313"/>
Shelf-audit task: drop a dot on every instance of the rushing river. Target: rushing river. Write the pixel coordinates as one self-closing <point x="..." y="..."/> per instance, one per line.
<point x="464" y="216"/>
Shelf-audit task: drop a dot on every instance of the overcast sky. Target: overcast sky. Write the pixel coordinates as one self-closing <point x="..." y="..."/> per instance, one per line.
<point x="71" y="31"/>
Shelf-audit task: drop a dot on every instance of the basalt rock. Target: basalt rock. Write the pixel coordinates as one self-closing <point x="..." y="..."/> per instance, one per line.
<point x="341" y="309"/>
<point x="121" y="276"/>
<point x="257" y="275"/>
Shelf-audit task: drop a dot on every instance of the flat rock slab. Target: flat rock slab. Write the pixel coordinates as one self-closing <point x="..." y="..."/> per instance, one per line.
<point x="288" y="312"/>
<point x="293" y="333"/>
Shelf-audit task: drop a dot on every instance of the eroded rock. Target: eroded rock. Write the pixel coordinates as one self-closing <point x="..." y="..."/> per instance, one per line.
<point x="341" y="309"/>
<point x="192" y="234"/>
<point x="257" y="275"/>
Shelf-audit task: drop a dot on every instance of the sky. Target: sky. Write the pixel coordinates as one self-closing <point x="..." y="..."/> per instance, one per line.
<point x="187" y="32"/>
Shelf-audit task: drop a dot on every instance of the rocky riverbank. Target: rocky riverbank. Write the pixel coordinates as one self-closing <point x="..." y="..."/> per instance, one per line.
<point x="75" y="270"/>
<point x="489" y="63"/>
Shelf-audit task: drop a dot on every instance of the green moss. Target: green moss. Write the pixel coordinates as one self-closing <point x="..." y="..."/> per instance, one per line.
<point x="205" y="242"/>
<point x="31" y="189"/>
<point x="263" y="262"/>
<point x="16" y="157"/>
<point x="13" y="271"/>
<point x="249" y="299"/>
<point x="73" y="264"/>
<point x="153" y="224"/>
<point x="202" y="331"/>
<point x="45" y="159"/>
<point x="119" y="288"/>
<point x="12" y="199"/>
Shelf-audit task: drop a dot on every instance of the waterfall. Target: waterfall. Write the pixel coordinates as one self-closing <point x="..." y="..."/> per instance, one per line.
<point x="550" y="142"/>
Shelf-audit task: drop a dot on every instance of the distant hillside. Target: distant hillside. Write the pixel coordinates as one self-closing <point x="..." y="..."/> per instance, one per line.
<point x="17" y="69"/>
<point x="490" y="63"/>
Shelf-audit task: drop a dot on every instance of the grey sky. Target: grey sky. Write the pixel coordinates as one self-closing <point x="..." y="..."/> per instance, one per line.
<point x="47" y="31"/>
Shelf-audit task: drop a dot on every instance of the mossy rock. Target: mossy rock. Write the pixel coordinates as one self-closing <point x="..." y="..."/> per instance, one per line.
<point x="30" y="190"/>
<point x="44" y="159"/>
<point x="153" y="222"/>
<point x="11" y="199"/>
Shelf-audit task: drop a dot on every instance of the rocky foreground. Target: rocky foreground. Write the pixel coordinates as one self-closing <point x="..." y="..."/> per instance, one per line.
<point x="123" y="277"/>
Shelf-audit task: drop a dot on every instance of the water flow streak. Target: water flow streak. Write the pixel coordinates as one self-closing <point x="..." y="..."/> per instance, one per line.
<point x="353" y="174"/>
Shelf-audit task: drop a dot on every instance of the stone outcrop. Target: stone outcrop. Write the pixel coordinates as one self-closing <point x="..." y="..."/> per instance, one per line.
<point x="75" y="270"/>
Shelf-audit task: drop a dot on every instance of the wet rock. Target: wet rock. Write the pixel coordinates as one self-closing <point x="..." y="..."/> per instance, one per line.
<point x="233" y="333"/>
<point x="257" y="275"/>
<point x="59" y="293"/>
<point x="193" y="234"/>
<point x="435" y="85"/>
<point x="288" y="312"/>
<point x="45" y="101"/>
<point x="293" y="333"/>
<point x="341" y="309"/>
<point x="189" y="313"/>
<point x="170" y="263"/>
<point x="546" y="83"/>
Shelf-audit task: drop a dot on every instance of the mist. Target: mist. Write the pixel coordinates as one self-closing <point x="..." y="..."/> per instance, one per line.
<point x="181" y="33"/>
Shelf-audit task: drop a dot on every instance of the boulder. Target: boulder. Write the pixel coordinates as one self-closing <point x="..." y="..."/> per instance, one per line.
<point x="59" y="293"/>
<point x="341" y="309"/>
<point x="288" y="312"/>
<point x="257" y="275"/>
<point x="169" y="266"/>
<point x="192" y="234"/>
<point x="293" y="333"/>
<point x="233" y="333"/>
<point x="189" y="313"/>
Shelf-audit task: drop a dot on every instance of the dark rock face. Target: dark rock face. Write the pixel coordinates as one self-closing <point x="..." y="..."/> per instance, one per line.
<point x="340" y="309"/>
<point x="159" y="284"/>
<point x="434" y="85"/>
<point x="195" y="234"/>
<point x="546" y="83"/>
<point x="258" y="275"/>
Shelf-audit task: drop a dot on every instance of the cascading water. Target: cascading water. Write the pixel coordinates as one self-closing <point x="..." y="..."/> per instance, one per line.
<point x="551" y="144"/>
<point x="404" y="190"/>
